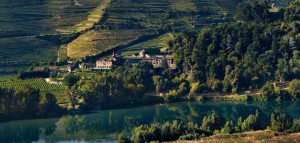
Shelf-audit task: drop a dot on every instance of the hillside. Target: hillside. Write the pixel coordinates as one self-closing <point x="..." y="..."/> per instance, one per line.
<point x="133" y="19"/>
<point x="22" y="21"/>
<point x="257" y="136"/>
<point x="105" y="23"/>
<point x="23" y="25"/>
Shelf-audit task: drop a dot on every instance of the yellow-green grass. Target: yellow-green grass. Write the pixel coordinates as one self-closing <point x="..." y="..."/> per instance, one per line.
<point x="94" y="17"/>
<point x="8" y="77"/>
<point x="61" y="96"/>
<point x="183" y="5"/>
<point x="158" y="42"/>
<point x="94" y="42"/>
<point x="62" y="53"/>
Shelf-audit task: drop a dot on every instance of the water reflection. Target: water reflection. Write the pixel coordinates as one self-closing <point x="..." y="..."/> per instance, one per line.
<point x="106" y="125"/>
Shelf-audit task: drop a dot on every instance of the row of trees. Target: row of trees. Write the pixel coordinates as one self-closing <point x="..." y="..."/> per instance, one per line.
<point x="211" y="124"/>
<point x="26" y="102"/>
<point x="272" y="92"/>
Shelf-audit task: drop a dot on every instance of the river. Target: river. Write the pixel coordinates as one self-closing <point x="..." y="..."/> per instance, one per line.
<point x="104" y="126"/>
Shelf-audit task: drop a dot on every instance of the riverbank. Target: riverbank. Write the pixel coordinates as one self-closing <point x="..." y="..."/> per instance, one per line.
<point x="255" y="136"/>
<point x="105" y="125"/>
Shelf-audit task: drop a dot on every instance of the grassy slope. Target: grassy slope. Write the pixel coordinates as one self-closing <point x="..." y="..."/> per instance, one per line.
<point x="93" y="17"/>
<point x="256" y="136"/>
<point x="93" y="42"/>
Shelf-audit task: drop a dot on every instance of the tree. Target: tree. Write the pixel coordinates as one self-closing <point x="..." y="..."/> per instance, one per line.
<point x="70" y="80"/>
<point x="294" y="88"/>
<point x="239" y="125"/>
<point x="281" y="122"/>
<point x="211" y="122"/>
<point x="122" y="139"/>
<point x="251" y="123"/>
<point x="253" y="11"/>
<point x="139" y="134"/>
<point x="283" y="70"/>
<point x="54" y="74"/>
<point x="228" y="128"/>
<point x="164" y="64"/>
<point x="183" y="89"/>
<point x="49" y="103"/>
<point x="295" y="64"/>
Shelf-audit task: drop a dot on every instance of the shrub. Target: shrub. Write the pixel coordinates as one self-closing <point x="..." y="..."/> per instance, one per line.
<point x="33" y="74"/>
<point x="294" y="88"/>
<point x="281" y="122"/>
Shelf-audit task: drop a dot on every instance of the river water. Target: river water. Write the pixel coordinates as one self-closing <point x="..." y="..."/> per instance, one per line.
<point x="104" y="126"/>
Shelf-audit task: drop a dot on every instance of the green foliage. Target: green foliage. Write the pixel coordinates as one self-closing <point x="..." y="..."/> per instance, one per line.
<point x="251" y="123"/>
<point x="26" y="102"/>
<point x="294" y="88"/>
<point x="211" y="123"/>
<point x="54" y="74"/>
<point x="292" y="12"/>
<point x="33" y="74"/>
<point x="253" y="11"/>
<point x="281" y="122"/>
<point x="122" y="86"/>
<point x="168" y="131"/>
<point x="228" y="128"/>
<point x="70" y="80"/>
<point x="48" y="104"/>
<point x="145" y="133"/>
<point x="122" y="139"/>
<point x="296" y="126"/>
<point x="37" y="83"/>
<point x="241" y="55"/>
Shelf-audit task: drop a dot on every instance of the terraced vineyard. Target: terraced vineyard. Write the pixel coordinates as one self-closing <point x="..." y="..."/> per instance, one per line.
<point x="126" y="20"/>
<point x="21" y="21"/>
<point x="38" y="83"/>
<point x="104" y="24"/>
<point x="37" y="17"/>
<point x="94" y="16"/>
<point x="26" y="50"/>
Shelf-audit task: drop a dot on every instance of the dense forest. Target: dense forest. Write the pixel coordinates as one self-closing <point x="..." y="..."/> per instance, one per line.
<point x="261" y="46"/>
